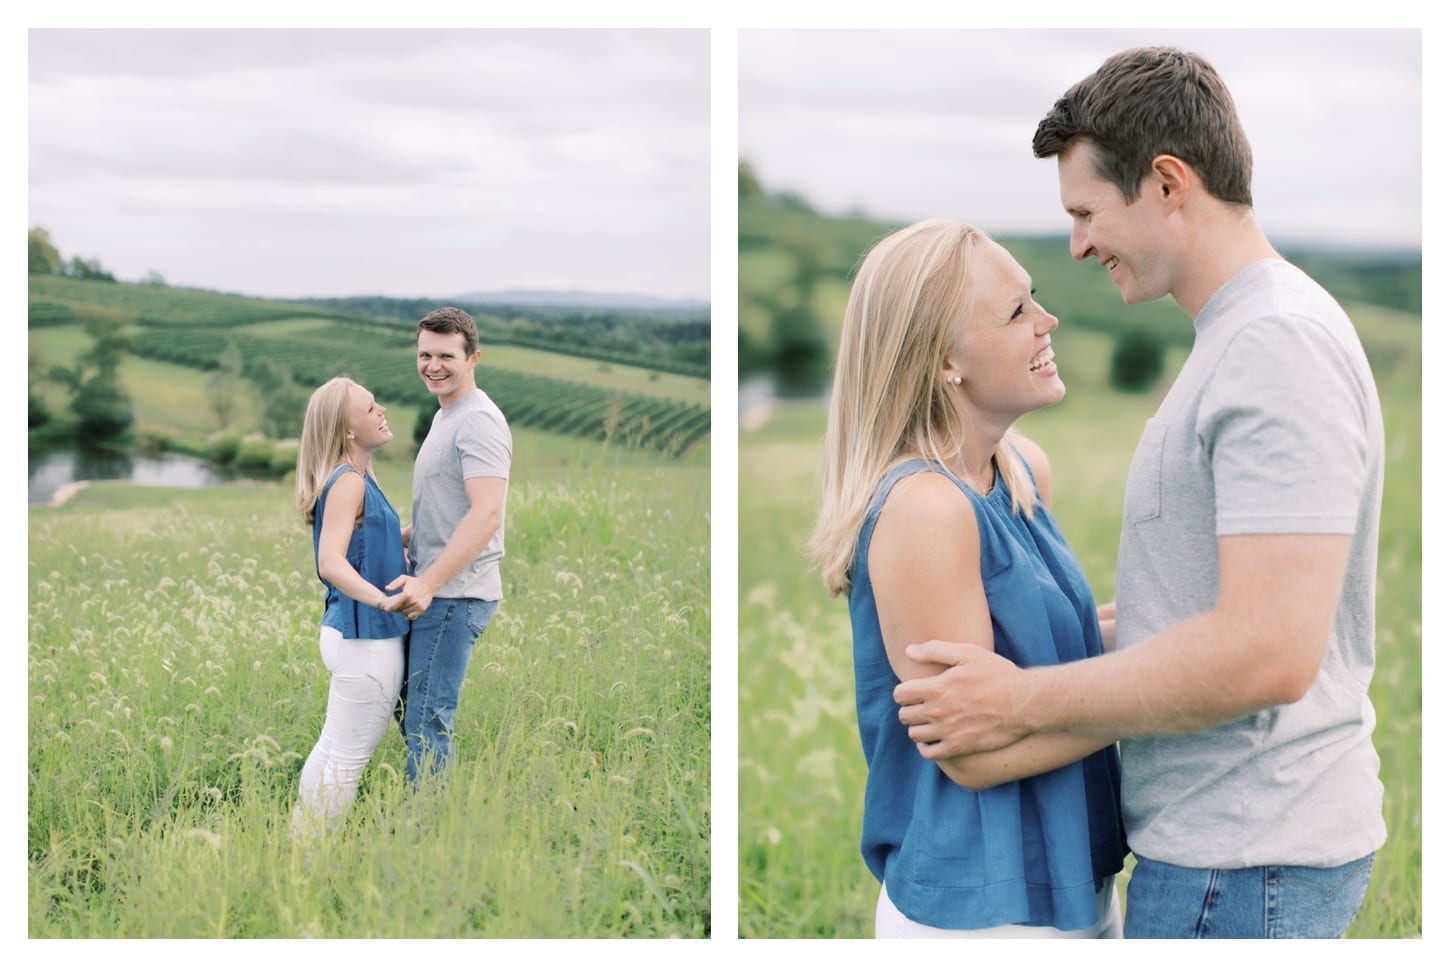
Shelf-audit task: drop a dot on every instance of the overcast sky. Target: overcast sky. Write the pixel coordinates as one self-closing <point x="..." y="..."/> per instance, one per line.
<point x="905" y="124"/>
<point x="424" y="163"/>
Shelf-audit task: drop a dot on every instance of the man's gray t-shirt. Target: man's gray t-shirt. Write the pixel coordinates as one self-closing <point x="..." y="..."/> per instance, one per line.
<point x="468" y="439"/>
<point x="1273" y="426"/>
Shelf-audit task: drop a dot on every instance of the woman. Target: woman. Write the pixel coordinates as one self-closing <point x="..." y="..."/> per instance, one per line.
<point x="935" y="523"/>
<point x="359" y="549"/>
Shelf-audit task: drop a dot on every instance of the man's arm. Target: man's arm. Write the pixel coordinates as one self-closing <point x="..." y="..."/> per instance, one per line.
<point x="1260" y="645"/>
<point x="925" y="565"/>
<point x="485" y="513"/>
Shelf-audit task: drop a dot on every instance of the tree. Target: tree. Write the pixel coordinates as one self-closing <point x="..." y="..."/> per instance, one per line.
<point x="224" y="387"/>
<point x="802" y="356"/>
<point x="79" y="268"/>
<point x="286" y="401"/>
<point x="44" y="256"/>
<point x="39" y="412"/>
<point x="749" y="185"/>
<point x="101" y="406"/>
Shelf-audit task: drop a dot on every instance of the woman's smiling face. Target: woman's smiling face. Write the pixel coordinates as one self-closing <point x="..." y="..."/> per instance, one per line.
<point x="1005" y="355"/>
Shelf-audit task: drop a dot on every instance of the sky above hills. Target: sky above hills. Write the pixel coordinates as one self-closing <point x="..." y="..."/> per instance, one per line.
<point x="411" y="163"/>
<point x="906" y="124"/>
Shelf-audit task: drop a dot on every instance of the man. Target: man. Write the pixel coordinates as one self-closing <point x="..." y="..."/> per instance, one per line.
<point x="1246" y="570"/>
<point x="455" y="541"/>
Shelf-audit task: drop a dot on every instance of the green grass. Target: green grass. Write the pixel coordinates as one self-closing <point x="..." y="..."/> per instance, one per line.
<point x="592" y="399"/>
<point x="168" y="400"/>
<point x="801" y="770"/>
<point x="60" y="341"/>
<point x="174" y="688"/>
<point x="617" y="376"/>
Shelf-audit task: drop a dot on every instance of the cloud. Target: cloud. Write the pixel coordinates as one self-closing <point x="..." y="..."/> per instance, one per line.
<point x="908" y="123"/>
<point x="186" y="151"/>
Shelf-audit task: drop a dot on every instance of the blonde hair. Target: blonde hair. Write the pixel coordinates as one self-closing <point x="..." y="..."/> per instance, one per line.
<point x="889" y="399"/>
<point x="323" y="446"/>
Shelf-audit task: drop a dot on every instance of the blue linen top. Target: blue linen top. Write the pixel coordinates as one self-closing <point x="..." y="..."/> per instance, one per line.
<point x="1034" y="851"/>
<point x="376" y="551"/>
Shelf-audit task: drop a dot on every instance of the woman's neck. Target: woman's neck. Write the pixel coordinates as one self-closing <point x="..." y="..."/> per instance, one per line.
<point x="359" y="457"/>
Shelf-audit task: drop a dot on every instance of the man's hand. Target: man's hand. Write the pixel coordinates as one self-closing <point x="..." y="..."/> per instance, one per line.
<point x="963" y="710"/>
<point x="415" y="597"/>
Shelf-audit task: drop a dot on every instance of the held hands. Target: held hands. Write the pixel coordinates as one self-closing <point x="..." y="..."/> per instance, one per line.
<point x="964" y="709"/>
<point x="415" y="597"/>
<point x="1108" y="625"/>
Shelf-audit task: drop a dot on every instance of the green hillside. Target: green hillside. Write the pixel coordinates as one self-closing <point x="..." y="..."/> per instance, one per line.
<point x="796" y="266"/>
<point x="665" y="412"/>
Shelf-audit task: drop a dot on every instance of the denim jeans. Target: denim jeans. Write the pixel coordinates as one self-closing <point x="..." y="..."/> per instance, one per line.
<point x="1166" y="901"/>
<point x="439" y="645"/>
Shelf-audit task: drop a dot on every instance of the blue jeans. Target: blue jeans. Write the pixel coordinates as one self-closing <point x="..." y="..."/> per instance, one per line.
<point x="1166" y="901"/>
<point x="439" y="645"/>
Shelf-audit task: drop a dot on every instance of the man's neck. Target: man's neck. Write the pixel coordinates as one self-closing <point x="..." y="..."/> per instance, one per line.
<point x="1224" y="242"/>
<point x="462" y="394"/>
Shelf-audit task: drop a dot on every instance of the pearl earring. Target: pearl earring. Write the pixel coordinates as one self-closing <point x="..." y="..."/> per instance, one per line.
<point x="955" y="380"/>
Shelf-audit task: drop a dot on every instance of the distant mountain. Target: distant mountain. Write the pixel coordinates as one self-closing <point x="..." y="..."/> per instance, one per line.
<point x="576" y="299"/>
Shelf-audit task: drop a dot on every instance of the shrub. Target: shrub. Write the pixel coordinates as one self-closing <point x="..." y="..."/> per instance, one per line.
<point x="255" y="451"/>
<point x="284" y="455"/>
<point x="1137" y="361"/>
<point x="39" y="412"/>
<point x="222" y="446"/>
<point x="424" y="422"/>
<point x="153" y="442"/>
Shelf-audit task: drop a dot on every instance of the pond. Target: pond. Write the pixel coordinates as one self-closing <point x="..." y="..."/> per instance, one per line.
<point x="50" y="470"/>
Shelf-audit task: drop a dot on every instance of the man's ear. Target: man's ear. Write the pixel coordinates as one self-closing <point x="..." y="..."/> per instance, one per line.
<point x="1171" y="179"/>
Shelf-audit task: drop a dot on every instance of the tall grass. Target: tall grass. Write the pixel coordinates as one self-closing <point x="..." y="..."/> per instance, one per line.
<point x="801" y="769"/>
<point x="175" y="688"/>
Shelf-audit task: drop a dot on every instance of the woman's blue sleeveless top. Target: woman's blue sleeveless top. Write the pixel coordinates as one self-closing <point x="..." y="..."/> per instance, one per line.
<point x="1034" y="851"/>
<point x="376" y="551"/>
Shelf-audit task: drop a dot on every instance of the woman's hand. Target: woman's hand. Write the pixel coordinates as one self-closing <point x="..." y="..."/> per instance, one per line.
<point x="1108" y="625"/>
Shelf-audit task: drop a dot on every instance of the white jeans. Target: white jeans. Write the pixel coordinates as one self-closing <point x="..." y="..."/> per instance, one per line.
<point x="891" y="924"/>
<point x="366" y="676"/>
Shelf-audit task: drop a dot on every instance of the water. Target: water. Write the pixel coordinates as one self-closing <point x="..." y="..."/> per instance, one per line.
<point x="53" y="469"/>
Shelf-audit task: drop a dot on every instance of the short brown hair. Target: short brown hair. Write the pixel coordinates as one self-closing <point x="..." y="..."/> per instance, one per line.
<point x="1150" y="101"/>
<point x="452" y="319"/>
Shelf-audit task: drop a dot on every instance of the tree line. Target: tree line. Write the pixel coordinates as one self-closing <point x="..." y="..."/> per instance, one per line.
<point x="671" y="341"/>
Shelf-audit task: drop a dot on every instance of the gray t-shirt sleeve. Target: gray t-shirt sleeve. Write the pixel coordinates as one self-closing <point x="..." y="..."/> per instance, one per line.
<point x="1283" y="428"/>
<point x="485" y="446"/>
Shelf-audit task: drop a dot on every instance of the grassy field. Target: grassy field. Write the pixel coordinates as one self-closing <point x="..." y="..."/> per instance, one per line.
<point x="801" y="771"/>
<point x="632" y="379"/>
<point x="174" y="689"/>
<point x="623" y="399"/>
<point x="171" y="400"/>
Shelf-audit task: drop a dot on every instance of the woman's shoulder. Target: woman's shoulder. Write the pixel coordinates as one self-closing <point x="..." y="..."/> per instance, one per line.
<point x="344" y="483"/>
<point x="926" y="504"/>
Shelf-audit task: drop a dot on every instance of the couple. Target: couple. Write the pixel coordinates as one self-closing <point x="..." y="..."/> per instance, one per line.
<point x="1235" y="662"/>
<point x="440" y="573"/>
